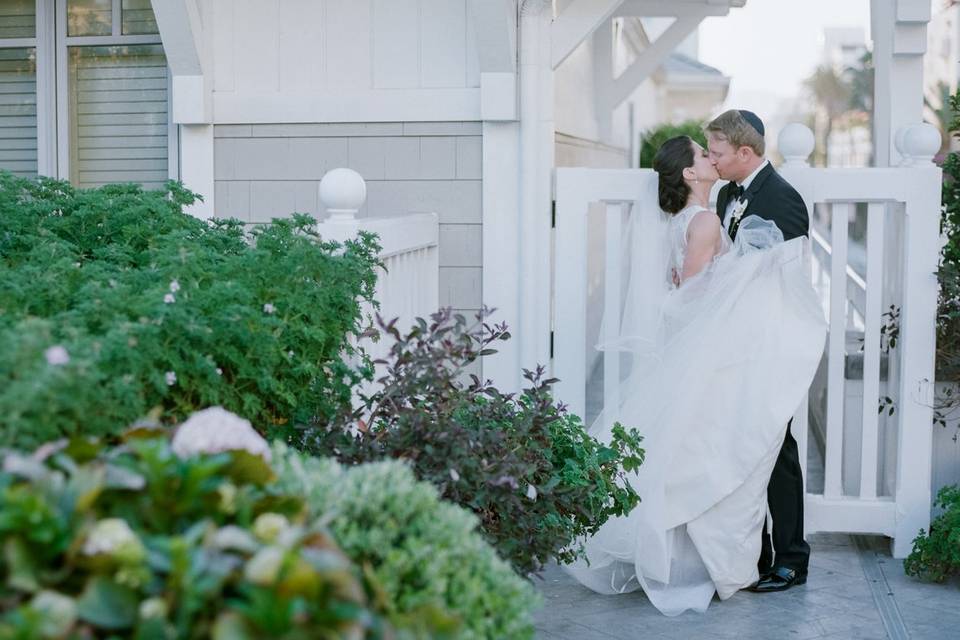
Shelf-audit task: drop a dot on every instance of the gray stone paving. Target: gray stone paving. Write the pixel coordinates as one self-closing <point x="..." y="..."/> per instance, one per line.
<point x="836" y="603"/>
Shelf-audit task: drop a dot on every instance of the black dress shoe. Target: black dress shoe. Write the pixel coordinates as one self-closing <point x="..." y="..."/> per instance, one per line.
<point x="780" y="579"/>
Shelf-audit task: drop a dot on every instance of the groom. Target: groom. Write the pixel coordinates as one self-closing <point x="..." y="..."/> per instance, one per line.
<point x="736" y="146"/>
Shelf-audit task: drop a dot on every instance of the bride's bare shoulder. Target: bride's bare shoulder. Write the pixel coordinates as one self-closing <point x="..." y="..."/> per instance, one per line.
<point x="704" y="222"/>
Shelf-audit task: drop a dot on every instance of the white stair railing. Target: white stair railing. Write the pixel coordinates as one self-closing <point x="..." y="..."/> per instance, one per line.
<point x="408" y="286"/>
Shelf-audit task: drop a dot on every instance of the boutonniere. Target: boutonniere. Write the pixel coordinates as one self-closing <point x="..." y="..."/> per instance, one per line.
<point x="738" y="210"/>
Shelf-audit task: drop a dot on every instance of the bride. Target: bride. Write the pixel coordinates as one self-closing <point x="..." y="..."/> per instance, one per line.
<point x="723" y="339"/>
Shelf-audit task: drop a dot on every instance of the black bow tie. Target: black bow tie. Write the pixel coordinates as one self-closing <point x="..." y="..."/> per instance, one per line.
<point x="736" y="192"/>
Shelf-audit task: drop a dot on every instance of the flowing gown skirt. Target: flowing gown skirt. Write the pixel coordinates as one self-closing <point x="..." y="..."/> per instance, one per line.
<point x="738" y="348"/>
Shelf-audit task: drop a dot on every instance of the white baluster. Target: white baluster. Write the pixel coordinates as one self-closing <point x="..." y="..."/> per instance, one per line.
<point x="611" y="306"/>
<point x="871" y="350"/>
<point x="836" y="385"/>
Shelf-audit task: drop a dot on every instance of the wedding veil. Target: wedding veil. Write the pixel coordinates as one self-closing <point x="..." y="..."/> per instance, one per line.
<point x="632" y="334"/>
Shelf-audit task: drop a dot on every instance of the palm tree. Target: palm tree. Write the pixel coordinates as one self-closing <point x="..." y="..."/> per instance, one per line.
<point x="831" y="93"/>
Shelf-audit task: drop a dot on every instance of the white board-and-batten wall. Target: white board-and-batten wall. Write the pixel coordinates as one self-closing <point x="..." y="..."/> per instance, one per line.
<point x="389" y="88"/>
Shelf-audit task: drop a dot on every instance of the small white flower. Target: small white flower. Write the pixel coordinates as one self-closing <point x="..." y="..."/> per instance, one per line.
<point x="233" y="538"/>
<point x="56" y="355"/>
<point x="290" y="353"/>
<point x="169" y="299"/>
<point x="171" y="378"/>
<point x="219" y="371"/>
<point x="454" y="475"/>
<point x="174" y="286"/>
<point x="153" y="608"/>
<point x="531" y="492"/>
<point x="113" y="536"/>
<point x="269" y="308"/>
<point x="268" y="526"/>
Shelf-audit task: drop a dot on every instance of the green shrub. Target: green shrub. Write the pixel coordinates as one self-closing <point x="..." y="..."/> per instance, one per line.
<point x="652" y="140"/>
<point x="135" y="542"/>
<point x="424" y="553"/>
<point x="535" y="479"/>
<point x="936" y="554"/>
<point x="113" y="302"/>
<point x="948" y="312"/>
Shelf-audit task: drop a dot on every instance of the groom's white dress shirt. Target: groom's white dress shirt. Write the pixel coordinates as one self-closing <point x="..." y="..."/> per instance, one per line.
<point x="727" y="216"/>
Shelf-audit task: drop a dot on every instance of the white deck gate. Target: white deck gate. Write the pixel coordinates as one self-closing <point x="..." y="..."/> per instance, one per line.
<point x="885" y="460"/>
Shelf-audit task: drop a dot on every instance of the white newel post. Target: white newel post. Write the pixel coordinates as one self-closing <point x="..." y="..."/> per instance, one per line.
<point x="918" y="144"/>
<point x="795" y="143"/>
<point x="407" y="286"/>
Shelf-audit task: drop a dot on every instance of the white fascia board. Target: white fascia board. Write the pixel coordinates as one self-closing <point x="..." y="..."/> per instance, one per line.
<point x="373" y="105"/>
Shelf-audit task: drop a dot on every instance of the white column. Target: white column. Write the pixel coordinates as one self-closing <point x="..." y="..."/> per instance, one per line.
<point x="536" y="170"/>
<point x="501" y="247"/>
<point x="196" y="166"/>
<point x="898" y="29"/>
<point x="917" y="343"/>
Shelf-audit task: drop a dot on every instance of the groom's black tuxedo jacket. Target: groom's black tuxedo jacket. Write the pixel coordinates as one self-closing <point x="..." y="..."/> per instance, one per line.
<point x="770" y="196"/>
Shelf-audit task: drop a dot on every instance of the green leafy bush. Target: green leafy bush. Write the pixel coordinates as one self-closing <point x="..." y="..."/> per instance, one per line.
<point x="424" y="553"/>
<point x="652" y="140"/>
<point x="535" y="479"/>
<point x="948" y="319"/>
<point x="114" y="302"/>
<point x="135" y="542"/>
<point x="936" y="554"/>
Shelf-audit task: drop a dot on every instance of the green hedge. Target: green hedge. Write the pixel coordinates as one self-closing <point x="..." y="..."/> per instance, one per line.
<point x="150" y="539"/>
<point x="114" y="303"/>
<point x="651" y="140"/>
<point x="425" y="553"/>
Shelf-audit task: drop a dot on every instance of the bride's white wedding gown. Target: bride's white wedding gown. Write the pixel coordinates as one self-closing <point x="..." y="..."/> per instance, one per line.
<point x="736" y="349"/>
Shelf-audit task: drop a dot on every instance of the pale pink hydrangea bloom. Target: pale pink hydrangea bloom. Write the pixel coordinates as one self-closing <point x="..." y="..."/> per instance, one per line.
<point x="215" y="430"/>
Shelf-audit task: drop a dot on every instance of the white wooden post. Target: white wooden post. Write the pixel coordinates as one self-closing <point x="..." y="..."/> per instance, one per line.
<point x="917" y="340"/>
<point x="795" y="143"/>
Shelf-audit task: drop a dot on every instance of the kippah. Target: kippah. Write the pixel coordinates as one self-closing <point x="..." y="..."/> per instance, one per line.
<point x="752" y="119"/>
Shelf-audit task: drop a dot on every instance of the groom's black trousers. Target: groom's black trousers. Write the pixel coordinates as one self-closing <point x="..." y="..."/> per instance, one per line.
<point x="785" y="497"/>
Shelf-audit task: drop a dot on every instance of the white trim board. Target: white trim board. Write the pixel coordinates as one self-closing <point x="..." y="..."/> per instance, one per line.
<point x="377" y="105"/>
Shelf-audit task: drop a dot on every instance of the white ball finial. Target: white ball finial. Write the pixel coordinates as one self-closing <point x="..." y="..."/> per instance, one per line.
<point x="342" y="192"/>
<point x="921" y="142"/>
<point x="795" y="143"/>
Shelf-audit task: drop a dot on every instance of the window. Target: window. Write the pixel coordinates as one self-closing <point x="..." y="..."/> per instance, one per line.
<point x="84" y="92"/>
<point x="113" y="74"/>
<point x="18" y="87"/>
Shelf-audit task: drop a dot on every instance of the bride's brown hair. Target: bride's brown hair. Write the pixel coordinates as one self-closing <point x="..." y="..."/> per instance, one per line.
<point x="673" y="156"/>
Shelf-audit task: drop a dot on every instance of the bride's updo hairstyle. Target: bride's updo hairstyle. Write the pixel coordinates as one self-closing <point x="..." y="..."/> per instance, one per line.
<point x="675" y="155"/>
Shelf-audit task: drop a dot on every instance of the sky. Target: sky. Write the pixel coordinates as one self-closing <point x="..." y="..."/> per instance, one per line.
<point x="768" y="47"/>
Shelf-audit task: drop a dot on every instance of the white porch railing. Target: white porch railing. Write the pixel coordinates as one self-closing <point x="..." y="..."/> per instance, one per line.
<point x="408" y="286"/>
<point x="888" y="461"/>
